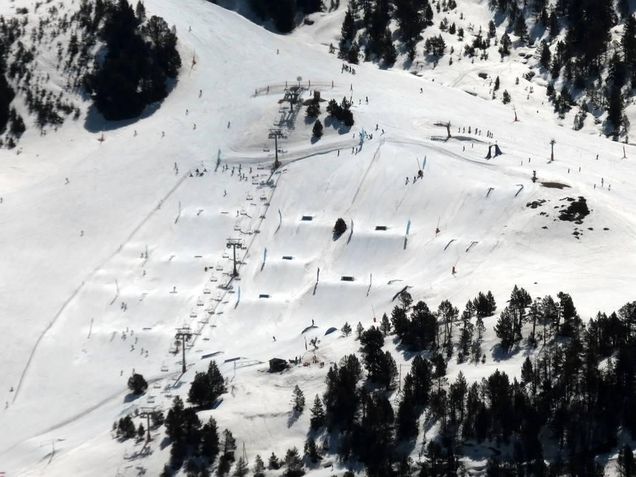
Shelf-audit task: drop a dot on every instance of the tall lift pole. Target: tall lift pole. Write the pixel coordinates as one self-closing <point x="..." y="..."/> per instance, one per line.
<point x="234" y="244"/>
<point x="275" y="134"/>
<point x="184" y="334"/>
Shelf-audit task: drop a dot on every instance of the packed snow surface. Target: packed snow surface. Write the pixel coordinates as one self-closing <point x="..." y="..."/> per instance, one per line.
<point x="110" y="245"/>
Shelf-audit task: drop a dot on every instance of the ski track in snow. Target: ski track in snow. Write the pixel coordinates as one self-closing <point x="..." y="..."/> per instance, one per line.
<point x="88" y="278"/>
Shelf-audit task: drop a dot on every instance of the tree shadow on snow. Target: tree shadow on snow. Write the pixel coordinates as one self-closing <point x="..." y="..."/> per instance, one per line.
<point x="337" y="125"/>
<point x="130" y="397"/>
<point x="500" y="354"/>
<point x="95" y="121"/>
<point x="293" y="417"/>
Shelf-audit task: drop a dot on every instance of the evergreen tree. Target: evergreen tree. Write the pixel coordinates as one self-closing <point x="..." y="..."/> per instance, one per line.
<point x="628" y="43"/>
<point x="385" y="325"/>
<point x="209" y="445"/>
<point x="126" y="428"/>
<point x="544" y="55"/>
<point x="311" y="452"/>
<point x="521" y="29"/>
<point x="317" y="411"/>
<point x="140" y="59"/>
<point x="407" y="415"/>
<point x="273" y="462"/>
<point x="259" y="467"/>
<point x="137" y="384"/>
<point x="293" y="464"/>
<point x="347" y="35"/>
<point x="298" y="400"/>
<point x="505" y="330"/>
<point x="241" y="468"/>
<point x="317" y="129"/>
<point x="504" y="45"/>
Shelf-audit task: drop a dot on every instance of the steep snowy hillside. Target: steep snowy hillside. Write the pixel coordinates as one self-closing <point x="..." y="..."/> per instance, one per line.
<point x="108" y="247"/>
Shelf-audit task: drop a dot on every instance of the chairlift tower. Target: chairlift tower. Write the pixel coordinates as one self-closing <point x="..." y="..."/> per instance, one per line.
<point x="147" y="412"/>
<point x="275" y="134"/>
<point x="184" y="334"/>
<point x="234" y="244"/>
<point x="552" y="143"/>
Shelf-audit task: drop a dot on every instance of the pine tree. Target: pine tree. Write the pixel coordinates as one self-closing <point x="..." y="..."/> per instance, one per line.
<point x="217" y="382"/>
<point x="317" y="419"/>
<point x="298" y="400"/>
<point x="504" y="45"/>
<point x="504" y="330"/>
<point x="359" y="330"/>
<point x="137" y="384"/>
<point x="505" y="98"/>
<point x="347" y="34"/>
<point x="385" y="325"/>
<point x="544" y="55"/>
<point x="615" y="109"/>
<point x="521" y="29"/>
<point x="273" y="462"/>
<point x="259" y="467"/>
<point x="293" y="464"/>
<point x="313" y="110"/>
<point x="496" y="86"/>
<point x="174" y="419"/>
<point x="317" y="129"/>
<point x="407" y="414"/>
<point x="311" y="452"/>
<point x="126" y="428"/>
<point x="353" y="53"/>
<point x="241" y="469"/>
<point x="346" y="329"/>
<point x="209" y="445"/>
<point x="227" y="457"/>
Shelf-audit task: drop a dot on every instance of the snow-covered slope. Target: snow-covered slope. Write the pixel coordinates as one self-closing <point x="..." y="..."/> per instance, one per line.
<point x="98" y="271"/>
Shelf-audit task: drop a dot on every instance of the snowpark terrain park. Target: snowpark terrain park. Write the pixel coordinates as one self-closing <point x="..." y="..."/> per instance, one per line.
<point x="117" y="236"/>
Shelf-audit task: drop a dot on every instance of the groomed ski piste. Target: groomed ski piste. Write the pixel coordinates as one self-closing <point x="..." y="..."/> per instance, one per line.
<point x="109" y="246"/>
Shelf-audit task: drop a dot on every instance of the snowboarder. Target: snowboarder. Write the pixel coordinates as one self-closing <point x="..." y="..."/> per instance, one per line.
<point x="274" y="338"/>
<point x="454" y="271"/>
